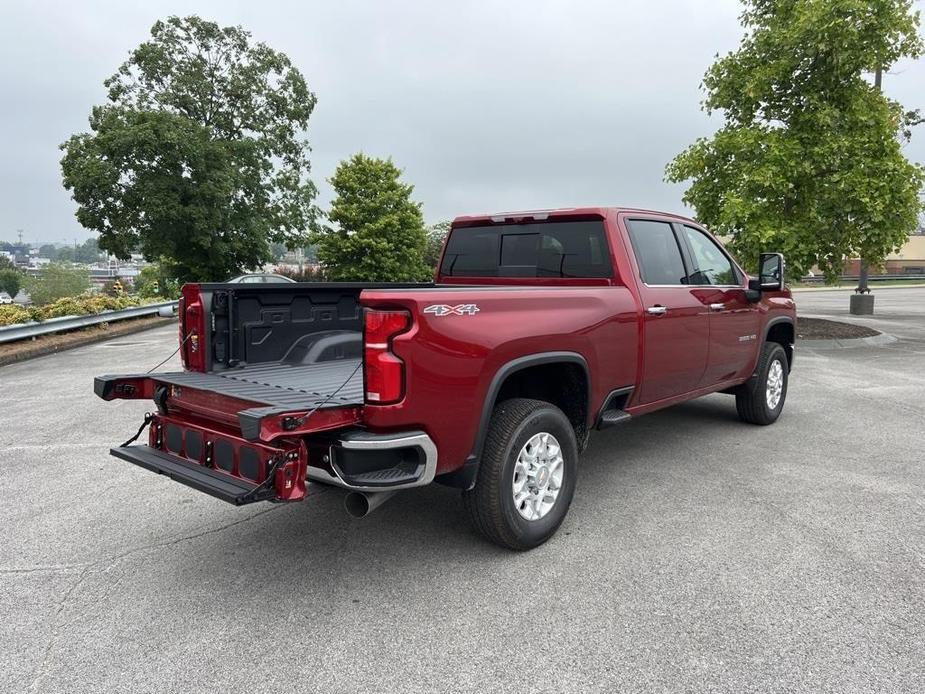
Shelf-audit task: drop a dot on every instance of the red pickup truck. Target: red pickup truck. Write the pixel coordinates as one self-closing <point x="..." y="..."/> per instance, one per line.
<point x="540" y="327"/>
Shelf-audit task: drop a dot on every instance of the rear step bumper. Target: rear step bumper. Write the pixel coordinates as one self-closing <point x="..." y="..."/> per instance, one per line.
<point x="367" y="462"/>
<point x="217" y="484"/>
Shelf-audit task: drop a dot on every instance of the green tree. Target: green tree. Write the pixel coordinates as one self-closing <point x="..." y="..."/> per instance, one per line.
<point x="6" y="263"/>
<point x="809" y="160"/>
<point x="88" y="252"/>
<point x="56" y="282"/>
<point x="198" y="156"/>
<point x="48" y="251"/>
<point x="65" y="255"/>
<point x="153" y="282"/>
<point x="10" y="281"/>
<point x="380" y="230"/>
<point x="436" y="235"/>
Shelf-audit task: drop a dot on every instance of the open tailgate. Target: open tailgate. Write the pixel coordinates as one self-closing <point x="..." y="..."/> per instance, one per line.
<point x="236" y="440"/>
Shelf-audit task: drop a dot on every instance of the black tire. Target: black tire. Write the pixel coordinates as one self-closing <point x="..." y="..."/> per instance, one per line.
<point x="751" y="397"/>
<point x="490" y="503"/>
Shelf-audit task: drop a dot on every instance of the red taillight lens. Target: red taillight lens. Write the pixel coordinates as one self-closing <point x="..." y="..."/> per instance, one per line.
<point x="384" y="372"/>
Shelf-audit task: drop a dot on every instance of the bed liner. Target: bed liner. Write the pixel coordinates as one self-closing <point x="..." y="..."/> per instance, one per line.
<point x="277" y="384"/>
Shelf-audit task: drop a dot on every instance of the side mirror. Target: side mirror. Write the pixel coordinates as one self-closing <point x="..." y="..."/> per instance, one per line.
<point x="771" y="272"/>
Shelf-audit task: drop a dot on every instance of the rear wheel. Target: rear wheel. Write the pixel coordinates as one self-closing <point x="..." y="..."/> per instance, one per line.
<point x="526" y="476"/>
<point x="761" y="399"/>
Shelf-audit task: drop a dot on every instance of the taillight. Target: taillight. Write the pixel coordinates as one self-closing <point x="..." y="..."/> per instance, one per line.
<point x="192" y="328"/>
<point x="384" y="372"/>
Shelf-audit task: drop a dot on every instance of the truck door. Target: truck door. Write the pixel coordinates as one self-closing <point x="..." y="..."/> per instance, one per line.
<point x="720" y="285"/>
<point x="676" y="328"/>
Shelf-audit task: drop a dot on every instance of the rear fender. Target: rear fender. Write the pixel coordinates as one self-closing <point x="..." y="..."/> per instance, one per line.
<point x="466" y="475"/>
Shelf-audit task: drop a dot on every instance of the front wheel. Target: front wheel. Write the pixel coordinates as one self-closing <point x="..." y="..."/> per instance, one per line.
<point x="761" y="399"/>
<point x="527" y="474"/>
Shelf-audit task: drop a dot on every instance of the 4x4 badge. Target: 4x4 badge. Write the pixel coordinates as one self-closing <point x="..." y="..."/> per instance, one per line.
<point x="458" y="310"/>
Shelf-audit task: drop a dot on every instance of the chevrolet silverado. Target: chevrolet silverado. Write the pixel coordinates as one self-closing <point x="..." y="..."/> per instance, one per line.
<point x="539" y="328"/>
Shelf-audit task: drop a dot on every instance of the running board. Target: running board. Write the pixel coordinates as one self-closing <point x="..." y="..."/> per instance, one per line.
<point x="218" y="484"/>
<point x="611" y="418"/>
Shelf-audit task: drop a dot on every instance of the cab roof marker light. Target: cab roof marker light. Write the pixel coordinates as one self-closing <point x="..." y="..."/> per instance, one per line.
<point x="538" y="215"/>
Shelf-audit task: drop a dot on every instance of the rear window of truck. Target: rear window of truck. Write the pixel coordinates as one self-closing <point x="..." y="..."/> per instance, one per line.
<point x="542" y="249"/>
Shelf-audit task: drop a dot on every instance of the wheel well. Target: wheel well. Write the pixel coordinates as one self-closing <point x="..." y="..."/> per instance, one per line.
<point x="782" y="333"/>
<point x="562" y="384"/>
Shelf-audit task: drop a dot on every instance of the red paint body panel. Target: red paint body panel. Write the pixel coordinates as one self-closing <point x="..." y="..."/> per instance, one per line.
<point x="451" y="360"/>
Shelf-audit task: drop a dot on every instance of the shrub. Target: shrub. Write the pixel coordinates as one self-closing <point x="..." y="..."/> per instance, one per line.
<point x="10" y="314"/>
<point x="309" y="273"/>
<point x="66" y="306"/>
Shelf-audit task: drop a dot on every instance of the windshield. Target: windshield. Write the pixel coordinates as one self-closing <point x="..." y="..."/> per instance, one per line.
<point x="541" y="249"/>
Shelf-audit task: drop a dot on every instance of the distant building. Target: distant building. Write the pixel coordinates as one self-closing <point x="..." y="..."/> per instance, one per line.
<point x="908" y="260"/>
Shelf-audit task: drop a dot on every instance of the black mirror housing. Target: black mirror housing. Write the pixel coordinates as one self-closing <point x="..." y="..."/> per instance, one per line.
<point x="771" y="272"/>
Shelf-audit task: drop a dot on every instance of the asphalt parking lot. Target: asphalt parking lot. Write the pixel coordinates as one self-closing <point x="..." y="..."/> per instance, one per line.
<point x="700" y="554"/>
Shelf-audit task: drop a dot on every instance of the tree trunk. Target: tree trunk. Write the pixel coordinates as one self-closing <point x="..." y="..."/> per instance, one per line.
<point x="863" y="301"/>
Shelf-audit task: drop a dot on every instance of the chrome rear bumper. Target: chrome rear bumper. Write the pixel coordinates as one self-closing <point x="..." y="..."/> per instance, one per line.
<point x="356" y="444"/>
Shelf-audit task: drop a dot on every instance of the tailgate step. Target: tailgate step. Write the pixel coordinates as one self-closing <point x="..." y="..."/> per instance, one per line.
<point x="217" y="484"/>
<point x="400" y="474"/>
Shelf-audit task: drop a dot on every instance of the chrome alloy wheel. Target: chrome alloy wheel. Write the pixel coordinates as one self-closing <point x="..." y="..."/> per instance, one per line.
<point x="538" y="476"/>
<point x="775" y="386"/>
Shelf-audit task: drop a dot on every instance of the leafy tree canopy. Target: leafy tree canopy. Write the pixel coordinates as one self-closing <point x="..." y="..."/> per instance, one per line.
<point x="436" y="235"/>
<point x="198" y="156"/>
<point x="57" y="281"/>
<point x="809" y="160"/>
<point x="10" y="281"/>
<point x="380" y="233"/>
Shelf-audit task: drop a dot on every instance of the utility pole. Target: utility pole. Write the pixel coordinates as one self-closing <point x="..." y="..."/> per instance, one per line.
<point x="862" y="301"/>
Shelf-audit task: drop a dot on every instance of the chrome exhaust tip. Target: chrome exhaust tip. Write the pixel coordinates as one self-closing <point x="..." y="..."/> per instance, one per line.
<point x="361" y="504"/>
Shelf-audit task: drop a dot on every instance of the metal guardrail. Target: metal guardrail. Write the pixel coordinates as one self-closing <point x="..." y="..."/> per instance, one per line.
<point x="25" y="331"/>
<point x="911" y="276"/>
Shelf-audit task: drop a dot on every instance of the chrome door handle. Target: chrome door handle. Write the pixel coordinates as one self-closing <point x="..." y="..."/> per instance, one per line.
<point x="717" y="307"/>
<point x="657" y="310"/>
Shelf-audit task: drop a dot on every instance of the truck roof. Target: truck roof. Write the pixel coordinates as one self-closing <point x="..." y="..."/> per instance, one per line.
<point x="563" y="212"/>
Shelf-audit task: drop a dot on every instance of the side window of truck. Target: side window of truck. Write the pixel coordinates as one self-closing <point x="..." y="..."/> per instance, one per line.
<point x="713" y="266"/>
<point x="657" y="252"/>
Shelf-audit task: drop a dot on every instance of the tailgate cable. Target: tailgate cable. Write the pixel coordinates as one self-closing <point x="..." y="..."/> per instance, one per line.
<point x="188" y="336"/>
<point x="148" y="417"/>
<point x="290" y="423"/>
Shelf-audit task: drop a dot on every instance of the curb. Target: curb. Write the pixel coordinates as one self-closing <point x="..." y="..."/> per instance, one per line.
<point x="845" y="343"/>
<point x="94" y="335"/>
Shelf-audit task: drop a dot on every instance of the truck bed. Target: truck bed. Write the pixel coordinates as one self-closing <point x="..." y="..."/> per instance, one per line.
<point x="277" y="384"/>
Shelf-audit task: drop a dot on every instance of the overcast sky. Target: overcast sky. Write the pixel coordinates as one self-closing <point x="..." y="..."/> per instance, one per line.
<point x="487" y="106"/>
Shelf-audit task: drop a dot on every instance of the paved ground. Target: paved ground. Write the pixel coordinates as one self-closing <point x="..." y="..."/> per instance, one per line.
<point x="700" y="554"/>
